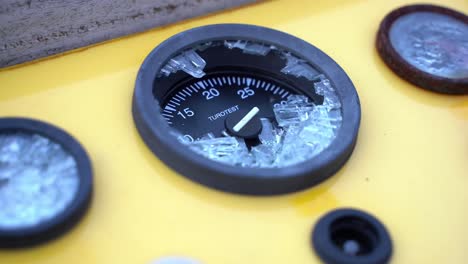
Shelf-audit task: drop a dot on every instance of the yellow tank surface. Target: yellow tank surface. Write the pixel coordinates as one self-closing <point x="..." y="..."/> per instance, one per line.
<point x="409" y="167"/>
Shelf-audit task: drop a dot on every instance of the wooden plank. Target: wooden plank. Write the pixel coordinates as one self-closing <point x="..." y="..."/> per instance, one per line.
<point x="31" y="29"/>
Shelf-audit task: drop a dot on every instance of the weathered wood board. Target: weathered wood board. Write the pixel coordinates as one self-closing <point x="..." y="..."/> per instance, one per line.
<point x="31" y="29"/>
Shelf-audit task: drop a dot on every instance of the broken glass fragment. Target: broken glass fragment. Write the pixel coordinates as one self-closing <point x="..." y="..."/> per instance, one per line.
<point x="298" y="67"/>
<point x="223" y="149"/>
<point x="189" y="62"/>
<point x="324" y="88"/>
<point x="295" y="111"/>
<point x="270" y="135"/>
<point x="263" y="155"/>
<point x="248" y="47"/>
<point x="300" y="131"/>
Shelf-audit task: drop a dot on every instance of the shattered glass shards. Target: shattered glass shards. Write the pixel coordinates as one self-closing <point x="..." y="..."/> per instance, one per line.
<point x="330" y="98"/>
<point x="307" y="136"/>
<point x="300" y="131"/>
<point x="298" y="67"/>
<point x="249" y="47"/>
<point x="192" y="63"/>
<point x="294" y="111"/>
<point x="263" y="156"/>
<point x="270" y="135"/>
<point x="223" y="149"/>
<point x="189" y="62"/>
<point x="38" y="180"/>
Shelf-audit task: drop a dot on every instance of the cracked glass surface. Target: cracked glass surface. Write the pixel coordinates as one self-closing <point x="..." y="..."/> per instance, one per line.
<point x="299" y="67"/>
<point x="188" y="61"/>
<point x="249" y="47"/>
<point x="433" y="43"/>
<point x="300" y="131"/>
<point x="191" y="63"/>
<point x="38" y="180"/>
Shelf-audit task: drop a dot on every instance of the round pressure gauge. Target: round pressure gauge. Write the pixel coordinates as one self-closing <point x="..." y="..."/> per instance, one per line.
<point x="427" y="45"/>
<point x="246" y="109"/>
<point x="45" y="182"/>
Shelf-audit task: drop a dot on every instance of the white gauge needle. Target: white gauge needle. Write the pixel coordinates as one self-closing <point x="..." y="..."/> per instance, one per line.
<point x="241" y="124"/>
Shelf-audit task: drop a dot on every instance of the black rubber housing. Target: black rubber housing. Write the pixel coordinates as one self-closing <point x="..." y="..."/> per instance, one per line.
<point x="356" y="225"/>
<point x="253" y="181"/>
<point x="403" y="68"/>
<point x="48" y="230"/>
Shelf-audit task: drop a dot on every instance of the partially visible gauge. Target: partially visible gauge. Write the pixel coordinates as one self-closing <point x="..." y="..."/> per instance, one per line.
<point x="45" y="182"/>
<point x="428" y="46"/>
<point x="246" y="109"/>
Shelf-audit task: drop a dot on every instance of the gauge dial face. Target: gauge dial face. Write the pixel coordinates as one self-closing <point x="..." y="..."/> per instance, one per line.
<point x="201" y="106"/>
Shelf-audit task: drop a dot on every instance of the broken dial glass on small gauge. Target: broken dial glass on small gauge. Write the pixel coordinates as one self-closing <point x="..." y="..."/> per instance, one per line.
<point x="246" y="118"/>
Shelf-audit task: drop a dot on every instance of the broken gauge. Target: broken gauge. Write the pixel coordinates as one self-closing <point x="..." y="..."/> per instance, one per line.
<point x="45" y="182"/>
<point x="427" y="45"/>
<point x="246" y="109"/>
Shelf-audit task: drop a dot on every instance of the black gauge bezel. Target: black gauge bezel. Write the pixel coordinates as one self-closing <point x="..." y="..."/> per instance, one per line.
<point x="356" y="221"/>
<point x="403" y="68"/>
<point x="156" y="133"/>
<point x="68" y="218"/>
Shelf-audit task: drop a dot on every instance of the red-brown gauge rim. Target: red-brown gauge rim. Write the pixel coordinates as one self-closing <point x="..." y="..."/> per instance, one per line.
<point x="405" y="70"/>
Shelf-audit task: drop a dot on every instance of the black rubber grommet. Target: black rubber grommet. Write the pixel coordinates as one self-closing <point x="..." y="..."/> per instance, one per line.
<point x="156" y="133"/>
<point x="402" y="67"/>
<point x="368" y="240"/>
<point x="69" y="217"/>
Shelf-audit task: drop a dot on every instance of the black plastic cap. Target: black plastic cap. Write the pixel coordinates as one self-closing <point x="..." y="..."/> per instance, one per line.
<point x="349" y="236"/>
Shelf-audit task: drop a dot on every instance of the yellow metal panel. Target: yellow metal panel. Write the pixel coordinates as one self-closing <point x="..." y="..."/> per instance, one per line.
<point x="409" y="168"/>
